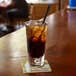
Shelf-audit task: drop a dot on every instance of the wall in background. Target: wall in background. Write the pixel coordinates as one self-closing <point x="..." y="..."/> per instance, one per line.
<point x="64" y="3"/>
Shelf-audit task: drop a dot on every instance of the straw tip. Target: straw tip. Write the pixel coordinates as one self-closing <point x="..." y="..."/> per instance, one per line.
<point x="46" y="14"/>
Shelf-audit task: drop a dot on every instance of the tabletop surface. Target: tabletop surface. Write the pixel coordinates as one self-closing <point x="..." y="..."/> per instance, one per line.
<point x="60" y="47"/>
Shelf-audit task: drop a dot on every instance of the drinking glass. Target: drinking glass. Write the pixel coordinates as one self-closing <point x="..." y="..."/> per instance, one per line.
<point x="36" y="39"/>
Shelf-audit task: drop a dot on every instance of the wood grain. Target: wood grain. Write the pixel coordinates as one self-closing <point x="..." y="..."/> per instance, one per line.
<point x="60" y="47"/>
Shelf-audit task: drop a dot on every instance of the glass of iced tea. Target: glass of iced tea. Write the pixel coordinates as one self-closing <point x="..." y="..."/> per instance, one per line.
<point x="36" y="39"/>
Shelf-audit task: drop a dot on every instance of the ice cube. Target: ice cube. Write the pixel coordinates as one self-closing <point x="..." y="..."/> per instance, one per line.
<point x="33" y="29"/>
<point x="35" y="39"/>
<point x="43" y="36"/>
<point x="39" y="31"/>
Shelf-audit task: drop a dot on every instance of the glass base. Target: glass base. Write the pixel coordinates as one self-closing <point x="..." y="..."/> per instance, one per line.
<point x="36" y="61"/>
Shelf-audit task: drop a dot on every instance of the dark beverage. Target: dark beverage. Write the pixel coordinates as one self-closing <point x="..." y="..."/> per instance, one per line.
<point x="36" y="38"/>
<point x="36" y="49"/>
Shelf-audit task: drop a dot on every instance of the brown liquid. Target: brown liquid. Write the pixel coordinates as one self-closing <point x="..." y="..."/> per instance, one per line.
<point x="36" y="49"/>
<point x="36" y="37"/>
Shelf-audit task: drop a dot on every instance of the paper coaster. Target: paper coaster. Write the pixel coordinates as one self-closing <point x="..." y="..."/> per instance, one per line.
<point x="27" y="68"/>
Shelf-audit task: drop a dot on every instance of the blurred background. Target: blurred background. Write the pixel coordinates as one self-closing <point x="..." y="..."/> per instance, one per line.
<point x="14" y="13"/>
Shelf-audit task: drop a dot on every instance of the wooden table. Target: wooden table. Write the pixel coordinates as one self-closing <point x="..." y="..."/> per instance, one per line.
<point x="60" y="47"/>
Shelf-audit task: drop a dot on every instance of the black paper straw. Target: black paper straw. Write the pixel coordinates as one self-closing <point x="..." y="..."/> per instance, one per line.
<point x="46" y="14"/>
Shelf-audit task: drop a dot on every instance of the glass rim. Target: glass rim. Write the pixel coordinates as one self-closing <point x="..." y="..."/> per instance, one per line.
<point x="30" y="21"/>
